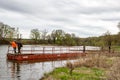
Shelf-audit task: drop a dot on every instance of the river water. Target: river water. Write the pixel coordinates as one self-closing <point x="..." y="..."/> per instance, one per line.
<point x="10" y="70"/>
<point x="25" y="70"/>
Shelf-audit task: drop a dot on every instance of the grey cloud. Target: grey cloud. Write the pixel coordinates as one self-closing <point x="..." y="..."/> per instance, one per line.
<point x="62" y="6"/>
<point x="62" y="20"/>
<point x="94" y="28"/>
<point x="96" y="10"/>
<point x="72" y="7"/>
<point x="111" y="19"/>
<point x="12" y="6"/>
<point x="84" y="33"/>
<point x="52" y="8"/>
<point x="87" y="30"/>
<point x="59" y="14"/>
<point x="29" y="8"/>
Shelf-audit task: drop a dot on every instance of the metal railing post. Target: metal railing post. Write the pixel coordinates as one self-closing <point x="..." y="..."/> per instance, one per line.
<point x="43" y="50"/>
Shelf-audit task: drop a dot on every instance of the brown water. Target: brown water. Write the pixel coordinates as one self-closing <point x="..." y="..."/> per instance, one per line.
<point x="24" y="71"/>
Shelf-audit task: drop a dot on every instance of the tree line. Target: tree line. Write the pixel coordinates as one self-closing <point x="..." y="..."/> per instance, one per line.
<point x="57" y="37"/>
<point x="60" y="37"/>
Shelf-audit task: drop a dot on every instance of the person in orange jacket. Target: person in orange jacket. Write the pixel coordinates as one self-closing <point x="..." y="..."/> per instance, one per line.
<point x="14" y="45"/>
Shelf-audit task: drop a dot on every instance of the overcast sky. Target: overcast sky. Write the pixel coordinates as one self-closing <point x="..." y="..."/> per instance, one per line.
<point x="84" y="18"/>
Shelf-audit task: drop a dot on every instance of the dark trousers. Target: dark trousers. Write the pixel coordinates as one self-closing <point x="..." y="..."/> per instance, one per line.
<point x="14" y="49"/>
<point x="19" y="51"/>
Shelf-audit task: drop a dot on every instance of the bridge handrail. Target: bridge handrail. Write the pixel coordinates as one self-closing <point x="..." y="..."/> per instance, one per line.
<point x="45" y="49"/>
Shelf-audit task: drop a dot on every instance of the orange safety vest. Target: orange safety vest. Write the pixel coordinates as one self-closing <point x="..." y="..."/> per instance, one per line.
<point x="13" y="44"/>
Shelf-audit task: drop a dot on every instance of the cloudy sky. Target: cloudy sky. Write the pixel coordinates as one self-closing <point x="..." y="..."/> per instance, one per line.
<point x="84" y="18"/>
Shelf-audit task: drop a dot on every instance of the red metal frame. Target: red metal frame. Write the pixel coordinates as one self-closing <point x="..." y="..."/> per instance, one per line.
<point x="44" y="53"/>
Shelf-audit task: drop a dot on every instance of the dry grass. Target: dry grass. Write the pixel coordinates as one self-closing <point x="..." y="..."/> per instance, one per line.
<point x="109" y="61"/>
<point x="92" y="60"/>
<point x="114" y="73"/>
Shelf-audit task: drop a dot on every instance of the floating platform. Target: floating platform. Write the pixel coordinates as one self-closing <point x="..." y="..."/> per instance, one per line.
<point x="45" y="53"/>
<point x="23" y="57"/>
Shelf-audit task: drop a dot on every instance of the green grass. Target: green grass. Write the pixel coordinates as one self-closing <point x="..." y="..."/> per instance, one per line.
<point x="82" y="73"/>
<point x="116" y="48"/>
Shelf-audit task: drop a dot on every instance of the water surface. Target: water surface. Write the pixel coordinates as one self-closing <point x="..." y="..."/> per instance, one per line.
<point x="10" y="70"/>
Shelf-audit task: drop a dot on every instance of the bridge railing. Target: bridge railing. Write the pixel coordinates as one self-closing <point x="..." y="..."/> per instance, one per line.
<point x="26" y="49"/>
<point x="47" y="49"/>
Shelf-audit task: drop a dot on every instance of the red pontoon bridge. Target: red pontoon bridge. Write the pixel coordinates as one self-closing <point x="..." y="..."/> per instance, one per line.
<point x="45" y="53"/>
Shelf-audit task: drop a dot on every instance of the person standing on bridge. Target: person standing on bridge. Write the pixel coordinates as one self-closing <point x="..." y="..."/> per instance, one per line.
<point x="19" y="44"/>
<point x="14" y="45"/>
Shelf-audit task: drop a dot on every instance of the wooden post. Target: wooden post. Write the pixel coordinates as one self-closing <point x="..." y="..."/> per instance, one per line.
<point x="84" y="49"/>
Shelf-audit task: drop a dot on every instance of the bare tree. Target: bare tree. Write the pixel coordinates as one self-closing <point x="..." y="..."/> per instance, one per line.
<point x="7" y="31"/>
<point x="57" y="36"/>
<point x="44" y="34"/>
<point x="108" y="40"/>
<point x="35" y="34"/>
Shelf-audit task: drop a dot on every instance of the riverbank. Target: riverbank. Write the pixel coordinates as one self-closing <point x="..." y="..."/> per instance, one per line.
<point x="97" y="66"/>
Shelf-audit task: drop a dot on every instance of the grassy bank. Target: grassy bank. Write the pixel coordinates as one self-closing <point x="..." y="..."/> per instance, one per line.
<point x="97" y="66"/>
<point x="116" y="48"/>
<point x="81" y="73"/>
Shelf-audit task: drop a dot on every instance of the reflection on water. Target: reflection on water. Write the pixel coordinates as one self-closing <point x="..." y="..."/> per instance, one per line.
<point x="31" y="71"/>
<point x="10" y="70"/>
<point x="15" y="69"/>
